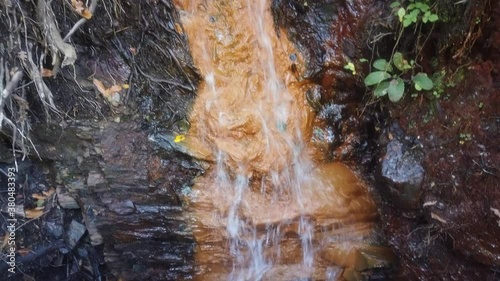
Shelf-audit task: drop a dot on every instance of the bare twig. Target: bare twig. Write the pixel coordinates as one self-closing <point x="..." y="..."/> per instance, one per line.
<point x="79" y="23"/>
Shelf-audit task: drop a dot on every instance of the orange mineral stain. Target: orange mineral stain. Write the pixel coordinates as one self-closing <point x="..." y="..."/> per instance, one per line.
<point x="251" y="120"/>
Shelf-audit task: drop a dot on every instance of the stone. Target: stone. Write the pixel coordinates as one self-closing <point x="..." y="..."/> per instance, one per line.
<point x="94" y="178"/>
<point x="74" y="233"/>
<point x="399" y="171"/>
<point x="53" y="229"/>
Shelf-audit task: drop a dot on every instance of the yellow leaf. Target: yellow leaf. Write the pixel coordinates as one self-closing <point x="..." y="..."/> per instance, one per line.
<point x="47" y="72"/>
<point x="86" y="14"/>
<point x="49" y="193"/>
<point x="179" y="138"/>
<point x="125" y="86"/>
<point x="33" y="214"/>
<point x="113" y="89"/>
<point x="80" y="8"/>
<point x="100" y="86"/>
<point x="5" y="241"/>
<point x="39" y="197"/>
<point x="24" y="252"/>
<point x="106" y="92"/>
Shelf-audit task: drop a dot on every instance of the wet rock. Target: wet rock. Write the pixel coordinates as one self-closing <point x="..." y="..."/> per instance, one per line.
<point x="74" y="233"/>
<point x="122" y="208"/>
<point x="53" y="229"/>
<point x="399" y="171"/>
<point x="65" y="199"/>
<point x="94" y="178"/>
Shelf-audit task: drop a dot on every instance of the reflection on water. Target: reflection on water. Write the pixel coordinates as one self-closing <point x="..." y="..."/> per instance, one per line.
<point x="265" y="210"/>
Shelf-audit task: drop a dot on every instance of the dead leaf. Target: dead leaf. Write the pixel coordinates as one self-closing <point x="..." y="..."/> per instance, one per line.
<point x="33" y="214"/>
<point x="178" y="28"/>
<point x="39" y="197"/>
<point x="24" y="252"/>
<point x="106" y="92"/>
<point x="100" y="86"/>
<point x="5" y="241"/>
<point x="114" y="89"/>
<point x="438" y="218"/>
<point x="80" y="8"/>
<point x="47" y="72"/>
<point x="46" y="194"/>
<point x="86" y="14"/>
<point x="50" y="192"/>
<point x="111" y="94"/>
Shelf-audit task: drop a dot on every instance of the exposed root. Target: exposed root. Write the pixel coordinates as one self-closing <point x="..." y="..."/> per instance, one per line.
<point x="46" y="18"/>
<point x="78" y="24"/>
<point x="6" y="92"/>
<point x="43" y="90"/>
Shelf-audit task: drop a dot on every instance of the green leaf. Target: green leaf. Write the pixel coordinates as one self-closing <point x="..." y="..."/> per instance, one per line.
<point x="407" y="22"/>
<point x="411" y="6"/>
<point x="422" y="81"/>
<point x="381" y="89"/>
<point x="363" y="60"/>
<point x="40" y="203"/>
<point x="424" y="7"/>
<point x="396" y="89"/>
<point x="425" y="19"/>
<point x="397" y="59"/>
<point x="401" y="13"/>
<point x="414" y="15"/>
<point x="433" y="18"/>
<point x="376" y="77"/>
<point x="350" y="66"/>
<point x="382" y="64"/>
<point x="395" y="4"/>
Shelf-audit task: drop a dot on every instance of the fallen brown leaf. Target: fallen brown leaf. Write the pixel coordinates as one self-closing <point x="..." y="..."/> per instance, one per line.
<point x="24" y="252"/>
<point x="33" y="214"/>
<point x="5" y="241"/>
<point x="47" y="72"/>
<point x="50" y="192"/>
<point x="106" y="92"/>
<point x="39" y="197"/>
<point x="80" y="8"/>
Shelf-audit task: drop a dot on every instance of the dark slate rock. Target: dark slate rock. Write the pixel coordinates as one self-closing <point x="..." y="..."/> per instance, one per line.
<point x="399" y="171"/>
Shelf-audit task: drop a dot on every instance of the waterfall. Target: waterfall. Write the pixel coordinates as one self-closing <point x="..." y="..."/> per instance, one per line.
<point x="265" y="210"/>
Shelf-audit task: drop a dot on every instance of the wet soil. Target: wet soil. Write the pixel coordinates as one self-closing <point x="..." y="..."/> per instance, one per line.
<point x="454" y="232"/>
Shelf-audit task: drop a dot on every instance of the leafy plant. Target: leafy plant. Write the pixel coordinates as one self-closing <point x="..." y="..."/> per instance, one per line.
<point x="388" y="80"/>
<point x="415" y="11"/>
<point x="350" y="66"/>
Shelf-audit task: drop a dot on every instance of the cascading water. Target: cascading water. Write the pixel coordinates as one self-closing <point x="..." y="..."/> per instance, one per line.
<point x="265" y="210"/>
